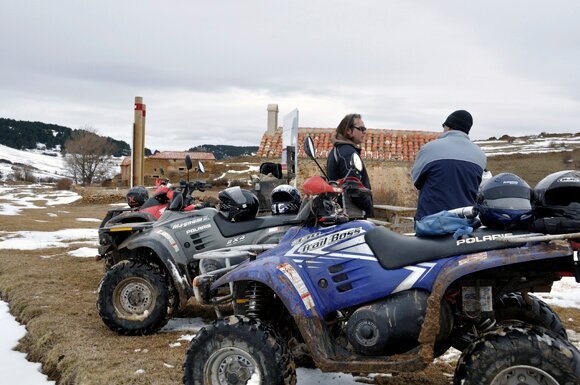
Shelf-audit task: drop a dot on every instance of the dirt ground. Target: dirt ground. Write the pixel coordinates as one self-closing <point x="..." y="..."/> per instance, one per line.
<point x="54" y="295"/>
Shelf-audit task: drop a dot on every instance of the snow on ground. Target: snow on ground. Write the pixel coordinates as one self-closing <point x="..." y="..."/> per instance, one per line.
<point x="16" y="370"/>
<point x="27" y="197"/>
<point x="44" y="166"/>
<point x="564" y="293"/>
<point x="48" y="166"/>
<point x="30" y="240"/>
<point x="14" y="367"/>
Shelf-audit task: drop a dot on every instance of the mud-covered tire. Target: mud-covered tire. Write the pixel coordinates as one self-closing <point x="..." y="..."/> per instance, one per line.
<point x="526" y="354"/>
<point x="231" y="349"/>
<point x="134" y="298"/>
<point x="513" y="307"/>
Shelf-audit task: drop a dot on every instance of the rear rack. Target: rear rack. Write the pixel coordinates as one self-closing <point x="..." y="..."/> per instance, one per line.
<point x="537" y="237"/>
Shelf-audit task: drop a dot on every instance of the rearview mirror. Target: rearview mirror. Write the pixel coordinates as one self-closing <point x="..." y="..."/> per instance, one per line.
<point x="200" y="167"/>
<point x="188" y="163"/>
<point x="309" y="148"/>
<point x="356" y="162"/>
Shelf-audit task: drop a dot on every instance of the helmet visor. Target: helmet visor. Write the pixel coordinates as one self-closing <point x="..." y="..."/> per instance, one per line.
<point x="508" y="191"/>
<point x="509" y="203"/>
<point x="236" y="194"/>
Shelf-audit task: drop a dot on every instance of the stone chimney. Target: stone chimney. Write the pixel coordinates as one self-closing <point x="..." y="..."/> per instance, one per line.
<point x="272" y="118"/>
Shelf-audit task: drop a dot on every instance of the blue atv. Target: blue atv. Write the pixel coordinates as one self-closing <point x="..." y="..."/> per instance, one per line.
<point x="349" y="296"/>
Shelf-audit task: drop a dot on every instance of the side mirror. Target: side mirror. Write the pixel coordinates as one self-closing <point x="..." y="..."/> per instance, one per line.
<point x="356" y="162"/>
<point x="200" y="167"/>
<point x="188" y="163"/>
<point x="309" y="148"/>
<point x="271" y="168"/>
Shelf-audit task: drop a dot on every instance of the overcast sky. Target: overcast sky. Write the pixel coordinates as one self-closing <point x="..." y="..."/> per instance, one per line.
<point x="208" y="69"/>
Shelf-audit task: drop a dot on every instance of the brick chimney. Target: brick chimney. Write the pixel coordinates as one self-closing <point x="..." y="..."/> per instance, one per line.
<point x="272" y="118"/>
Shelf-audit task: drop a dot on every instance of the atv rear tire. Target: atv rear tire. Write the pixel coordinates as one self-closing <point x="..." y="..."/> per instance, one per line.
<point x="513" y="307"/>
<point x="236" y="349"/>
<point x="134" y="298"/>
<point x="517" y="353"/>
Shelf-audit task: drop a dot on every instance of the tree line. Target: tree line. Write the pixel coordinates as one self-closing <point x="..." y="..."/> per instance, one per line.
<point x="21" y="134"/>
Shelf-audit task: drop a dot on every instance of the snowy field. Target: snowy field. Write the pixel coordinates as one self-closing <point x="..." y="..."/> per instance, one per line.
<point x="13" y="365"/>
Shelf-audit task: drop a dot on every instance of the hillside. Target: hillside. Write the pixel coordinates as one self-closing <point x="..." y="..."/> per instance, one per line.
<point x="24" y="135"/>
<point x="221" y="151"/>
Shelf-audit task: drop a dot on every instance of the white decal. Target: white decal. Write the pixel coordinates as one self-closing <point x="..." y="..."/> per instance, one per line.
<point x="235" y="240"/>
<point x="298" y="284"/>
<point x="198" y="228"/>
<point x="169" y="239"/>
<point x="305" y="238"/>
<point x="473" y="258"/>
<point x="568" y="179"/>
<point x="416" y="273"/>
<point x="319" y="243"/>
<point x="485" y="238"/>
<point x="189" y="223"/>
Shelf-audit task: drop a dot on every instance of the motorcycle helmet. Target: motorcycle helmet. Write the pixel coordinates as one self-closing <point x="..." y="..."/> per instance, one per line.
<point x="237" y="204"/>
<point x="137" y="196"/>
<point x="504" y="202"/>
<point x="558" y="195"/>
<point x="285" y="200"/>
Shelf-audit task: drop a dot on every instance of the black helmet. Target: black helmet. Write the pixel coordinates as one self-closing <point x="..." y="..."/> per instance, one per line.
<point x="558" y="195"/>
<point x="137" y="196"/>
<point x="237" y="204"/>
<point x="504" y="202"/>
<point x="285" y="200"/>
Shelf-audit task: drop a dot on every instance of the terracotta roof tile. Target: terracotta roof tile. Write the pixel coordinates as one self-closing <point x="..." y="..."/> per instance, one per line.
<point x="379" y="144"/>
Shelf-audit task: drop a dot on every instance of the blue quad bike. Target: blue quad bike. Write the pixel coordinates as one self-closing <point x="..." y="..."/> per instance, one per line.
<point x="348" y="296"/>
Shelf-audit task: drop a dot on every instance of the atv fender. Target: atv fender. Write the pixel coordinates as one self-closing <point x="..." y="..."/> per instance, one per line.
<point x="282" y="277"/>
<point x="163" y="250"/>
<point x="472" y="263"/>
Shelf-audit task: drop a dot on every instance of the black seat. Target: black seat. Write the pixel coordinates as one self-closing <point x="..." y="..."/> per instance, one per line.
<point x="231" y="229"/>
<point x="395" y="251"/>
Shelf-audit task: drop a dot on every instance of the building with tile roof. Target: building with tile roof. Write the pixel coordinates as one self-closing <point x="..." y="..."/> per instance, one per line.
<point x="168" y="164"/>
<point x="380" y="144"/>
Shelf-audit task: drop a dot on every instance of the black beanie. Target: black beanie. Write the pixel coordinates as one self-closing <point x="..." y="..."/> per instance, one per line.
<point x="459" y="120"/>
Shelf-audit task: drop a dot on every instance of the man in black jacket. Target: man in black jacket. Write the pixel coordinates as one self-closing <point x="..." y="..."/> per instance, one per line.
<point x="349" y="135"/>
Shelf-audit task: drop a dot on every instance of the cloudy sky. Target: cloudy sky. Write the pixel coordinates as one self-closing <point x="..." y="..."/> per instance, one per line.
<point x="208" y="69"/>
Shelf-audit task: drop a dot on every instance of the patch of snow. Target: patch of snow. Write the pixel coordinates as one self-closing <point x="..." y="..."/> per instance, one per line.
<point x="89" y="220"/>
<point x="84" y="252"/>
<point x="564" y="293"/>
<point x="31" y="240"/>
<point x="14" y="367"/>
<point x="183" y="325"/>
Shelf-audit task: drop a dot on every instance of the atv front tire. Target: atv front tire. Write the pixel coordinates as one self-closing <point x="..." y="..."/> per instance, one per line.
<point x="236" y="349"/>
<point x="518" y="353"/>
<point x="134" y="298"/>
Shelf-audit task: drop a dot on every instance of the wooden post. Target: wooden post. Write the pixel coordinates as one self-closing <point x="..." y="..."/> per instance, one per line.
<point x="138" y="143"/>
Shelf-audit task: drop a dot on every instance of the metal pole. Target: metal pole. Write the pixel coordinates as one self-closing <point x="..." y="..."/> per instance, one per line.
<point x="137" y="153"/>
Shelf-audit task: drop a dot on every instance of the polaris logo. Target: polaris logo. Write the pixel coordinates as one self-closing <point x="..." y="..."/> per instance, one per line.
<point x="198" y="228"/>
<point x="328" y="240"/>
<point x="485" y="238"/>
<point x="189" y="223"/>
